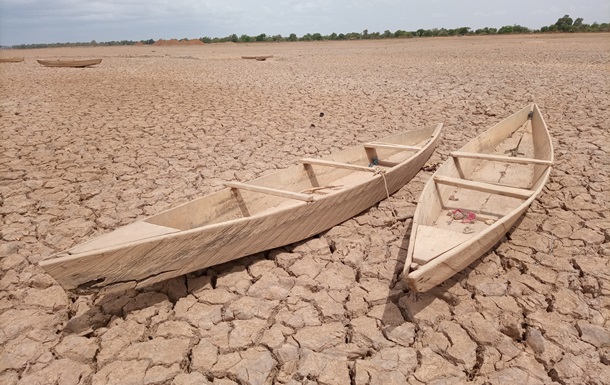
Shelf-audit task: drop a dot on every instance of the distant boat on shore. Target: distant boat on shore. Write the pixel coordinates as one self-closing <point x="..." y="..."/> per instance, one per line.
<point x="259" y="58"/>
<point x="11" y="60"/>
<point x="69" y="63"/>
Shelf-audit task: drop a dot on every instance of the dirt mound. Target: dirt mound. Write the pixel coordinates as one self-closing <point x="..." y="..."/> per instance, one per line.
<point x="162" y="42"/>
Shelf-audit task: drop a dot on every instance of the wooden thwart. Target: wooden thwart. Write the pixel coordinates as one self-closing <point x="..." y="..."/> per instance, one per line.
<point x="485" y="187"/>
<point x="329" y="163"/>
<point x="391" y="146"/>
<point x="270" y="191"/>
<point x="500" y="158"/>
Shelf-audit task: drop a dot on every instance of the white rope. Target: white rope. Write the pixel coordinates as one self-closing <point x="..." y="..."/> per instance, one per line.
<point x="379" y="171"/>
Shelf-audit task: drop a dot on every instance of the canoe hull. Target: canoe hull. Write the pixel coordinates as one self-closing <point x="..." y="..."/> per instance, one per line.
<point x="159" y="258"/>
<point x="461" y="254"/>
<point x="12" y="60"/>
<point x="69" y="63"/>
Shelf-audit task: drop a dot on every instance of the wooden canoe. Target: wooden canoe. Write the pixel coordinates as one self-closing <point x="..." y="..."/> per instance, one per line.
<point x="246" y="218"/>
<point x="495" y="177"/>
<point x="258" y="58"/>
<point x="69" y="63"/>
<point x="11" y="60"/>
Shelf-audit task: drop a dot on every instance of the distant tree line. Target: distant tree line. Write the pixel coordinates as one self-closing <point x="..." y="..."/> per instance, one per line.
<point x="563" y="24"/>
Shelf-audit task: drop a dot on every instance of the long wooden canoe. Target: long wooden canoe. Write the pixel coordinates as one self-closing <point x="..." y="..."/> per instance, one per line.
<point x="476" y="196"/>
<point x="11" y="60"/>
<point x="259" y="58"/>
<point x="246" y="218"/>
<point x="69" y="63"/>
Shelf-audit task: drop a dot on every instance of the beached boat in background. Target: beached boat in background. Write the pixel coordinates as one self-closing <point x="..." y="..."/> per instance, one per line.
<point x="258" y="58"/>
<point x="246" y="218"/>
<point x="476" y="196"/>
<point x="11" y="60"/>
<point x="70" y="63"/>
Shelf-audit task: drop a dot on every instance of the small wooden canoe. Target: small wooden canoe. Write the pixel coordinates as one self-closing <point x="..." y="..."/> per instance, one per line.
<point x="246" y="218"/>
<point x="11" y="60"/>
<point x="69" y="63"/>
<point x="476" y="196"/>
<point x="258" y="58"/>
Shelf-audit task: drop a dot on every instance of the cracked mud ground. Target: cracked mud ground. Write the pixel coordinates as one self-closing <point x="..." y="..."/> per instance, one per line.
<point x="84" y="151"/>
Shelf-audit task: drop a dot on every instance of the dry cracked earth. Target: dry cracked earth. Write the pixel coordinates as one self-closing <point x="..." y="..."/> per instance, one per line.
<point x="84" y="151"/>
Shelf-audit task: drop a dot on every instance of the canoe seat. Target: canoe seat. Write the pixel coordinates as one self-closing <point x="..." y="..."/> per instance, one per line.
<point x="270" y="191"/>
<point x="329" y="163"/>
<point x="391" y="146"/>
<point x="500" y="158"/>
<point x="512" y="192"/>
<point x="430" y="242"/>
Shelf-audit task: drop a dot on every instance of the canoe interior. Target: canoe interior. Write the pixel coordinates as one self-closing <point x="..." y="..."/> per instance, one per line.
<point x="516" y="136"/>
<point x="234" y="204"/>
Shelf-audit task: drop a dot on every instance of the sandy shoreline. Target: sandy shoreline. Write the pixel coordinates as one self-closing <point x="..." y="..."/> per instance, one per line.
<point x="83" y="151"/>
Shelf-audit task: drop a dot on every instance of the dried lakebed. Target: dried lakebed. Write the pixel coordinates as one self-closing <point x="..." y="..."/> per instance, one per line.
<point x="86" y="150"/>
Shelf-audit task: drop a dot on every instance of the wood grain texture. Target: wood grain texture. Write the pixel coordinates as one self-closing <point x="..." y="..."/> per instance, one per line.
<point x="488" y="175"/>
<point x="204" y="240"/>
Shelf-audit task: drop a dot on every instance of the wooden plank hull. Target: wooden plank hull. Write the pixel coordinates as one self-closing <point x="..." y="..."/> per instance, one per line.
<point x="488" y="191"/>
<point x="11" y="60"/>
<point x="205" y="232"/>
<point x="259" y="58"/>
<point x="69" y="63"/>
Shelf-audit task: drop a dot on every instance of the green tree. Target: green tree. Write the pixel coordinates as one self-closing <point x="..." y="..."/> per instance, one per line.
<point x="463" y="30"/>
<point x="292" y="37"/>
<point x="245" y="38"/>
<point x="506" y="29"/>
<point x="261" y="37"/>
<point x="564" y="24"/>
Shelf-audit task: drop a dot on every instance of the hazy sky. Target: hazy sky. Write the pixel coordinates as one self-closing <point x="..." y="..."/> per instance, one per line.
<point x="50" y="21"/>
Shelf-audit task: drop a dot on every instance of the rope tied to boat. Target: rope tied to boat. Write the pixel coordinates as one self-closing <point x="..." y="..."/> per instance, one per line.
<point x="380" y="171"/>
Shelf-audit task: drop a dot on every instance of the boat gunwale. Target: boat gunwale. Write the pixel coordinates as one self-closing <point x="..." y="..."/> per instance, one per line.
<point x="413" y="278"/>
<point x="65" y="256"/>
